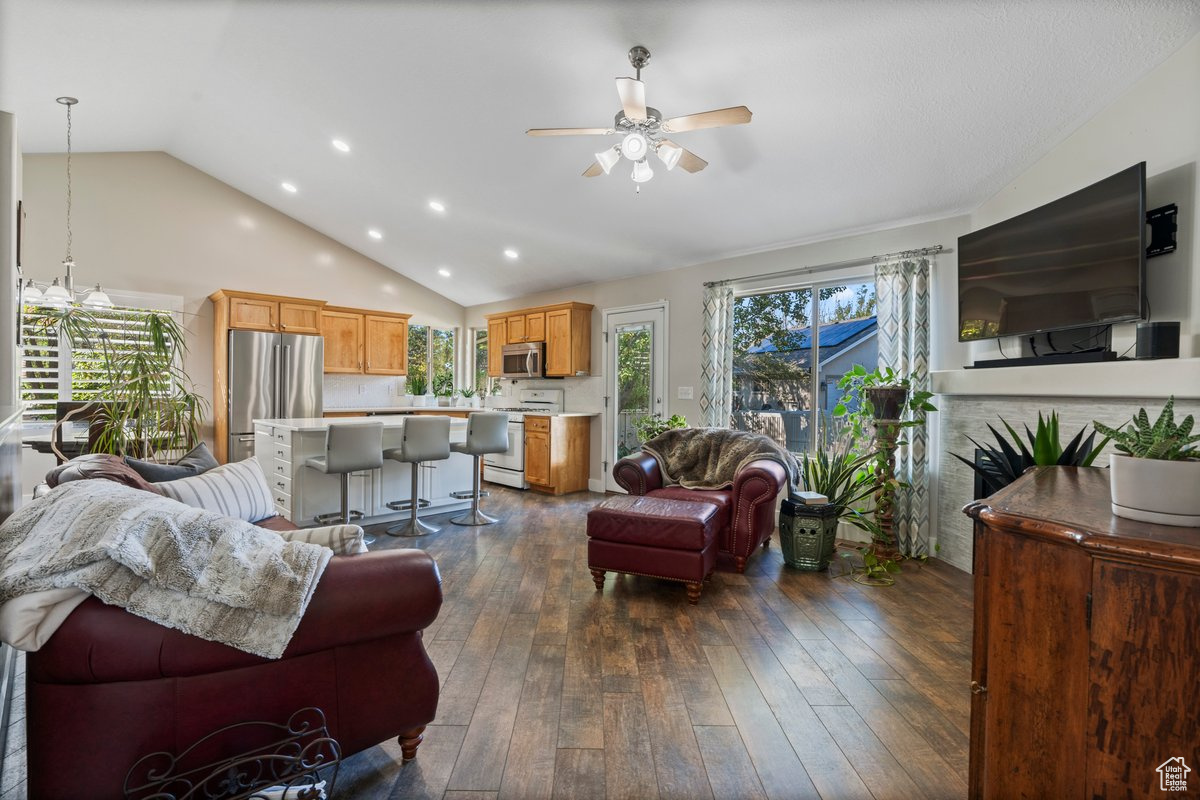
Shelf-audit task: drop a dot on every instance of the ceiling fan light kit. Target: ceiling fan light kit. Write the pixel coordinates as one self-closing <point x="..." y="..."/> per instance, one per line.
<point x="642" y="129"/>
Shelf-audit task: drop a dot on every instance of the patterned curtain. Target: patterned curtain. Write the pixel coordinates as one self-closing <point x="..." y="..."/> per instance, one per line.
<point x="902" y="303"/>
<point x="716" y="366"/>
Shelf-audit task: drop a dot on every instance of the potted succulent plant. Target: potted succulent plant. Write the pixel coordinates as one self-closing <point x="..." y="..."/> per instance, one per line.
<point x="1156" y="475"/>
<point x="807" y="533"/>
<point x="469" y="398"/>
<point x="1000" y="466"/>
<point x="417" y="386"/>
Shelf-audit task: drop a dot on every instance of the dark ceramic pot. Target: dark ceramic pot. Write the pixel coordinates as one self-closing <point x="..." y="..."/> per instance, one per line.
<point x="887" y="400"/>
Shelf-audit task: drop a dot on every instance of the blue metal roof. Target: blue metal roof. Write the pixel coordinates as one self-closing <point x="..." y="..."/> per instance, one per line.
<point x="833" y="334"/>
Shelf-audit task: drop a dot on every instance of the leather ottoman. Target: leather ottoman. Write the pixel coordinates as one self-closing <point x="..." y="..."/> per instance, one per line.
<point x="656" y="537"/>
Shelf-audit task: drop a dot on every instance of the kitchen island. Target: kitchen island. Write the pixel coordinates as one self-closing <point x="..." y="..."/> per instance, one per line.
<point x="282" y="446"/>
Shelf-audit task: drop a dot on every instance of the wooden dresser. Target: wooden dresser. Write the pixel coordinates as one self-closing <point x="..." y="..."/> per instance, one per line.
<point x="1086" y="667"/>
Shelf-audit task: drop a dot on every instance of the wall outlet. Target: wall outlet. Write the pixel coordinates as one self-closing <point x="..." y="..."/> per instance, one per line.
<point x="684" y="393"/>
<point x="362" y="388"/>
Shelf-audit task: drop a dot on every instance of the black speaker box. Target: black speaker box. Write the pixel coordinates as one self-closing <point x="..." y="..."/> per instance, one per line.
<point x="1157" y="340"/>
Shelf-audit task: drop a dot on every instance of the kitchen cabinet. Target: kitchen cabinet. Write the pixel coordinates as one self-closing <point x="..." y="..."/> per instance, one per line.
<point x="566" y="328"/>
<point x="1085" y="644"/>
<point x="343" y="331"/>
<point x="497" y="338"/>
<point x="365" y="342"/>
<point x="557" y="453"/>
<point x="260" y="312"/>
<point x="568" y="342"/>
<point x="386" y="341"/>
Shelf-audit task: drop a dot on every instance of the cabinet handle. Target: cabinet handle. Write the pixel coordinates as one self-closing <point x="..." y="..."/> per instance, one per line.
<point x="282" y="327"/>
<point x="976" y="688"/>
<point x="280" y="484"/>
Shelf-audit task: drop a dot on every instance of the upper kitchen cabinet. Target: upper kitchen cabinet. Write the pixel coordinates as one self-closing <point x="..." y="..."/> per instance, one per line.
<point x="497" y="338"/>
<point x="343" y="331"/>
<point x="386" y="343"/>
<point x="566" y="328"/>
<point x="248" y="311"/>
<point x="365" y="342"/>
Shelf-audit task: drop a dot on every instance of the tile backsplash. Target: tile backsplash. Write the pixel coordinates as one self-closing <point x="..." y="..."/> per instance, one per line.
<point x="362" y="391"/>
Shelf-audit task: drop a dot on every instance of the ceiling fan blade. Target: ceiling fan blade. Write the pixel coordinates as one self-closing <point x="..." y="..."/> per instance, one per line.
<point x="688" y="160"/>
<point x="738" y="115"/>
<point x="568" y="131"/>
<point x="594" y="170"/>
<point x="633" y="98"/>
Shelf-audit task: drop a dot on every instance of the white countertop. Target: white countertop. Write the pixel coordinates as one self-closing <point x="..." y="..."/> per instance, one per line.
<point x="409" y="409"/>
<point x="562" y="413"/>
<point x="322" y="423"/>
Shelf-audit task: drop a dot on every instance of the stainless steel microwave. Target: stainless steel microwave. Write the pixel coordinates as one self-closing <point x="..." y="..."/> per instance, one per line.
<point x="526" y="360"/>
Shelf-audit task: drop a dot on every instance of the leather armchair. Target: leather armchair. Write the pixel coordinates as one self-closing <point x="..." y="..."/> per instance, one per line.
<point x="110" y="687"/>
<point x="746" y="511"/>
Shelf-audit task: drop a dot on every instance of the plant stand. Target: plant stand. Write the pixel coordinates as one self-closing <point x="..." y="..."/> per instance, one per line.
<point x="807" y="534"/>
<point x="886" y="432"/>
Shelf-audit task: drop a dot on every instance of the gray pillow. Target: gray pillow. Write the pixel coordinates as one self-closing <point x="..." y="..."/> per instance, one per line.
<point x="197" y="460"/>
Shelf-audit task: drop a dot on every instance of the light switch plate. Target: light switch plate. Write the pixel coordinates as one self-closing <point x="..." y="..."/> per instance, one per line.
<point x="685" y="393"/>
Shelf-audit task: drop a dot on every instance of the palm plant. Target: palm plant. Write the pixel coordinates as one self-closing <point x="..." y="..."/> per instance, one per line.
<point x="145" y="404"/>
<point x="1003" y="464"/>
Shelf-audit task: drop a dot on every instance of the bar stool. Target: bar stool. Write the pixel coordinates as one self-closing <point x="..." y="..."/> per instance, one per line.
<point x="487" y="432"/>
<point x="425" y="439"/>
<point x="349" y="448"/>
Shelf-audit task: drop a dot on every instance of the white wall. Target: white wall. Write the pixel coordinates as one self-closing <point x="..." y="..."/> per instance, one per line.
<point x="10" y="195"/>
<point x="1156" y="121"/>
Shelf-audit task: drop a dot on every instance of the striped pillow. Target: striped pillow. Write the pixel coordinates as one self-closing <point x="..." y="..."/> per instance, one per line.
<point x="236" y="490"/>
<point x="343" y="540"/>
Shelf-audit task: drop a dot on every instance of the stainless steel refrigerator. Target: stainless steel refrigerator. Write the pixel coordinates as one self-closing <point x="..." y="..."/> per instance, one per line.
<point x="271" y="376"/>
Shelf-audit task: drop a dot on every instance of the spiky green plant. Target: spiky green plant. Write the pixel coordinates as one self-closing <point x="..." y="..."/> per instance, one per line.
<point x="844" y="478"/>
<point x="1003" y="464"/>
<point x="1164" y="440"/>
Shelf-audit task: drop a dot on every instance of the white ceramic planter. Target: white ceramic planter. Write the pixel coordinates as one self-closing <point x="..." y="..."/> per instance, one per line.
<point x="418" y="400"/>
<point x="1149" y="490"/>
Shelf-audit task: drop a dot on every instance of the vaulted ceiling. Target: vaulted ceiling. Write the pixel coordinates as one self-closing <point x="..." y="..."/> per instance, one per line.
<point x="866" y="114"/>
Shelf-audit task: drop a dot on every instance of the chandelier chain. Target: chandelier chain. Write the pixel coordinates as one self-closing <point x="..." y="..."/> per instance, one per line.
<point x="68" y="258"/>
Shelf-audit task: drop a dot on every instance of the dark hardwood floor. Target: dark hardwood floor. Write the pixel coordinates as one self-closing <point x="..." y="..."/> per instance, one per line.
<point x="780" y="684"/>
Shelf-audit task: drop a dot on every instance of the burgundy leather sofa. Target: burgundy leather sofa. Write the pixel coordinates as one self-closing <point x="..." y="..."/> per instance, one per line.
<point x="110" y="687"/>
<point x="745" y="511"/>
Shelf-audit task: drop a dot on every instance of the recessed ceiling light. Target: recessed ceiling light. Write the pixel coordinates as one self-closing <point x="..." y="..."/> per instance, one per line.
<point x="510" y="253"/>
<point x="436" y="206"/>
<point x="374" y="234"/>
<point x="445" y="273"/>
<point x="289" y="187"/>
<point x="340" y="146"/>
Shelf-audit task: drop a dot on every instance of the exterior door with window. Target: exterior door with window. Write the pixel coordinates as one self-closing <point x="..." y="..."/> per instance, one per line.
<point x="636" y="354"/>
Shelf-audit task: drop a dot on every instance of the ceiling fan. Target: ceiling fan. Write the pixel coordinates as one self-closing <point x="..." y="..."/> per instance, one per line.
<point x="643" y="130"/>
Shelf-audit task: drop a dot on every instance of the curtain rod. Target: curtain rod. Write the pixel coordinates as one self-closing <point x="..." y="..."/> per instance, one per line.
<point x="850" y="262"/>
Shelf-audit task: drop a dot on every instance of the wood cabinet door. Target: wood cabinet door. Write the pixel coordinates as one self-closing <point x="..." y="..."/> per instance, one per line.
<point x="386" y="342"/>
<point x="299" y="318"/>
<point x="497" y="338"/>
<point x="1145" y="698"/>
<point x="252" y="314"/>
<point x="535" y="327"/>
<point x="558" y="343"/>
<point x="516" y="328"/>
<point x="537" y="458"/>
<point x="343" y="341"/>
<point x="1033" y="676"/>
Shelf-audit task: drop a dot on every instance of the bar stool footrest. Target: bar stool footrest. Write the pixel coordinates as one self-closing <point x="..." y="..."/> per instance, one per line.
<point x="335" y="517"/>
<point x="467" y="494"/>
<point x="406" y="505"/>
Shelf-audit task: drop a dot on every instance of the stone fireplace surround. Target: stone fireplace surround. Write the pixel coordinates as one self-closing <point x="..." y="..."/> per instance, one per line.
<point x="969" y="399"/>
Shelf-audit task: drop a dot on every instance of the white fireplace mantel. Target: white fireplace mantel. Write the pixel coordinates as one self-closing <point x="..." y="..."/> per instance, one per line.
<point x="1158" y="378"/>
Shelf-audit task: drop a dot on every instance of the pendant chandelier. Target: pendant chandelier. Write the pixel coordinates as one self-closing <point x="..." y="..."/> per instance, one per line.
<point x="61" y="292"/>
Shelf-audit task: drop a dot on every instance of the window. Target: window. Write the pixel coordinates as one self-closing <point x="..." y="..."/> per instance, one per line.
<point x="480" y="359"/>
<point x="785" y="373"/>
<point x="431" y="356"/>
<point x="53" y="370"/>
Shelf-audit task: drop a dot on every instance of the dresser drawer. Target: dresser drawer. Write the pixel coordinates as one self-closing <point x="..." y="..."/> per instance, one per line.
<point x="283" y="503"/>
<point x="278" y="451"/>
<point x="280" y="468"/>
<point x="539" y="424"/>
<point x="282" y="436"/>
<point x="280" y="483"/>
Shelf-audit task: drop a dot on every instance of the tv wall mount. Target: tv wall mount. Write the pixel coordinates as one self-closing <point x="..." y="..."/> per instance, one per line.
<point x="1163" y="225"/>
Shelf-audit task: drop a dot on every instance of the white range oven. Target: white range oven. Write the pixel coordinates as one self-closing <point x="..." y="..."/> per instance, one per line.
<point x="508" y="468"/>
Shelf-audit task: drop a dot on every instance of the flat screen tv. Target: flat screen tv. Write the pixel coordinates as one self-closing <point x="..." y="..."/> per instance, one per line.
<point x="1076" y="262"/>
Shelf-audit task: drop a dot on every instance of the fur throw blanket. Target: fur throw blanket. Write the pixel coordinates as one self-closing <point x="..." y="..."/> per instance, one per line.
<point x="186" y="568"/>
<point x="710" y="458"/>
